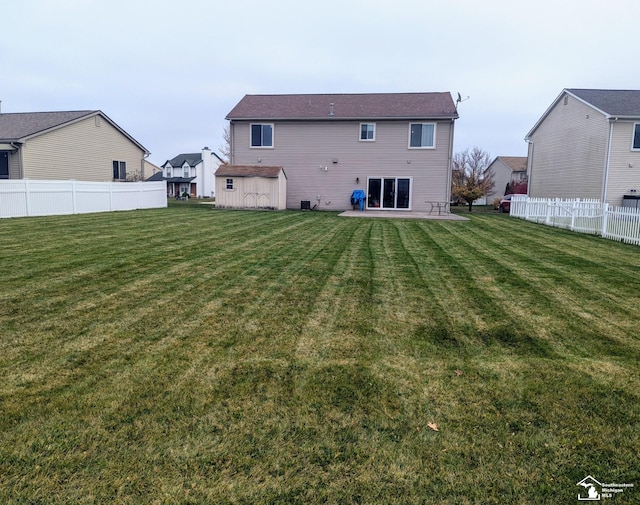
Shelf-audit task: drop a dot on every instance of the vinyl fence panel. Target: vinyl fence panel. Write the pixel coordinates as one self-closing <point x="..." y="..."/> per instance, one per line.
<point x="24" y="197"/>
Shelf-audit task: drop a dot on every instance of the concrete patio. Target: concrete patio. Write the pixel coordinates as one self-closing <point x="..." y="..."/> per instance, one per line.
<point x="404" y="215"/>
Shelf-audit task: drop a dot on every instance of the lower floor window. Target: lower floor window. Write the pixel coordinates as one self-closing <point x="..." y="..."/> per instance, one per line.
<point x="119" y="170"/>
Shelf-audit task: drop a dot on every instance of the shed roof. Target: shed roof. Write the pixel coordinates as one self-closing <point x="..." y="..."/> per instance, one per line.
<point x="433" y="105"/>
<point x="248" y="171"/>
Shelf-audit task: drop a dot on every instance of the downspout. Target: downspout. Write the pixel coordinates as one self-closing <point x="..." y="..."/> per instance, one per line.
<point x="144" y="157"/>
<point x="605" y="189"/>
<point x="231" y="149"/>
<point x="529" y="163"/>
<point x="20" y="167"/>
<point x="448" y="202"/>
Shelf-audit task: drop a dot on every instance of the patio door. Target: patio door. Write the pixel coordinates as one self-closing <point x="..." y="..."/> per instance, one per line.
<point x="389" y="193"/>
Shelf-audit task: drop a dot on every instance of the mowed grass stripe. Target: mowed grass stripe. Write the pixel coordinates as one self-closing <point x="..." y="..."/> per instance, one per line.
<point x="193" y="356"/>
<point x="592" y="304"/>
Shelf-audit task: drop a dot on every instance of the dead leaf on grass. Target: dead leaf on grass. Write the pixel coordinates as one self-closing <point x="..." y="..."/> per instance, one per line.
<point x="458" y="373"/>
<point x="433" y="426"/>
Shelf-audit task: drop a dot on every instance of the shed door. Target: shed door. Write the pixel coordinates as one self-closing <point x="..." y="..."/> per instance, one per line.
<point x="4" y="164"/>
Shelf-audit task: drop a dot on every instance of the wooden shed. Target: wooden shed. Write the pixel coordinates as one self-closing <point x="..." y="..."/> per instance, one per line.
<point x="251" y="187"/>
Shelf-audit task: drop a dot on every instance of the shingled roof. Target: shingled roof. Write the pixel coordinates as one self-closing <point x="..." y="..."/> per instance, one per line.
<point x="18" y="125"/>
<point x="192" y="160"/>
<point x="248" y="171"/>
<point x="345" y="106"/>
<point x="515" y="163"/>
<point x="614" y="102"/>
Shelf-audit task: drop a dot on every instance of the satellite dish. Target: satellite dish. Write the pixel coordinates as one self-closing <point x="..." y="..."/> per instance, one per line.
<point x="459" y="98"/>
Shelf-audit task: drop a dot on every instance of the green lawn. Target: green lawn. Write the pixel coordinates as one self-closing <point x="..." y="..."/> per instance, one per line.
<point x="188" y="355"/>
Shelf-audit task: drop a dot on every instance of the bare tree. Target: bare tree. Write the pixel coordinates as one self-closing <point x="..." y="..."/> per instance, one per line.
<point x="225" y="147"/>
<point x="471" y="178"/>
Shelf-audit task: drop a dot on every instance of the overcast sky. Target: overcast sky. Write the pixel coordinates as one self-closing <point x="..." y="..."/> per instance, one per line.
<point x="168" y="72"/>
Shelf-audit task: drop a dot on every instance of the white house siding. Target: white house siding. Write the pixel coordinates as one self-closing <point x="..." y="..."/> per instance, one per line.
<point x="624" y="167"/>
<point x="569" y="152"/>
<point x="84" y="150"/>
<point x="305" y="148"/>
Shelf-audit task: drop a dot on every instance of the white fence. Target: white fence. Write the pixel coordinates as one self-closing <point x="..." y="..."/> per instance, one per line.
<point x="584" y="216"/>
<point x="24" y="197"/>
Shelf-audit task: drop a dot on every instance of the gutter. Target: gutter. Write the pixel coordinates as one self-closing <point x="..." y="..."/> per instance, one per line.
<point x="449" y="175"/>
<point x="605" y="188"/>
<point x="529" y="163"/>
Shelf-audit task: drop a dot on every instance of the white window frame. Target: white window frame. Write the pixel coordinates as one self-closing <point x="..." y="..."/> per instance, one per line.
<point x="373" y="139"/>
<point x="122" y="166"/>
<point x="636" y="126"/>
<point x="435" y="127"/>
<point x="273" y="135"/>
<point x="186" y="172"/>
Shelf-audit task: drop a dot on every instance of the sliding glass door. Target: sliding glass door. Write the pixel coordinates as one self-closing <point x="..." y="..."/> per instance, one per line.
<point x="389" y="193"/>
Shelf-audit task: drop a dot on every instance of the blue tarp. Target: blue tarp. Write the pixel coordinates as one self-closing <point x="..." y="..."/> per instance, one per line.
<point x="358" y="197"/>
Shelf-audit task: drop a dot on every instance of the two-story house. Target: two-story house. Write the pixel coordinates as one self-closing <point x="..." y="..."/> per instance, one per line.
<point x="191" y="174"/>
<point x="397" y="147"/>
<point x="587" y="145"/>
<point x="509" y="172"/>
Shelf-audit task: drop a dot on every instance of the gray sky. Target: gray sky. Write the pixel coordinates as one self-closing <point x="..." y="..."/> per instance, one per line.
<point x="168" y="72"/>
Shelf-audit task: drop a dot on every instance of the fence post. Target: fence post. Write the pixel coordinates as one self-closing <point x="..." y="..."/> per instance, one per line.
<point x="605" y="219"/>
<point x="73" y="196"/>
<point x="27" y="197"/>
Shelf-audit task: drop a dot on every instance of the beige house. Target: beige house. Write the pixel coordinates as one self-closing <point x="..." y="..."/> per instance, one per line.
<point x="397" y="147"/>
<point x="82" y="145"/>
<point x="251" y="187"/>
<point x="587" y="145"/>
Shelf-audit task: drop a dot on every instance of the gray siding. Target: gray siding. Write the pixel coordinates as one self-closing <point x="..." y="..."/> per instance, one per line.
<point x="304" y="148"/>
<point x="569" y="152"/>
<point x="83" y="151"/>
<point x="624" y="166"/>
<point x="501" y="177"/>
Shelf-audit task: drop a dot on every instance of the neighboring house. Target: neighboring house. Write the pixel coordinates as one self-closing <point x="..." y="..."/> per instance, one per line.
<point x="587" y="145"/>
<point x="397" y="147"/>
<point x="191" y="173"/>
<point x="507" y="171"/>
<point x="251" y="187"/>
<point x="83" y="145"/>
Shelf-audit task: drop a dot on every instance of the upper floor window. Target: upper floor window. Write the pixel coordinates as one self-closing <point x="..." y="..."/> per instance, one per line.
<point x="261" y="135"/>
<point x="635" y="145"/>
<point x="422" y="135"/>
<point x="168" y="172"/>
<point x="367" y="131"/>
<point x="185" y="172"/>
<point x="119" y="170"/>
